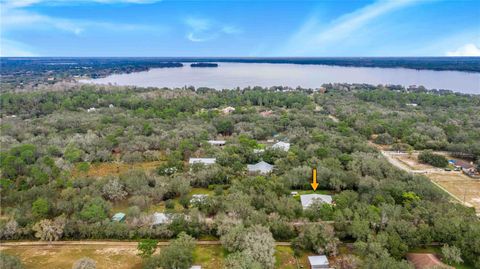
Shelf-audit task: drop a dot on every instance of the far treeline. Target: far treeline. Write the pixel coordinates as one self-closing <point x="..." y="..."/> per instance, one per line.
<point x="50" y="142"/>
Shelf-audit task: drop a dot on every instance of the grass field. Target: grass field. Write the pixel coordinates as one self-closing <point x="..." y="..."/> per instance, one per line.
<point x="114" y="168"/>
<point x="124" y="257"/>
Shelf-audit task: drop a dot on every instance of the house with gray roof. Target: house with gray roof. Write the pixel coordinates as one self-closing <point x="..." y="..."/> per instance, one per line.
<point x="160" y="218"/>
<point x="308" y="199"/>
<point x="261" y="167"/>
<point x="281" y="146"/>
<point x="318" y="262"/>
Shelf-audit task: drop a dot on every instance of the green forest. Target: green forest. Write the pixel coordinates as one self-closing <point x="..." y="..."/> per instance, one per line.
<point x="51" y="141"/>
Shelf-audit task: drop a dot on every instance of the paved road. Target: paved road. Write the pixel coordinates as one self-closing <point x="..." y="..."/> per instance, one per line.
<point x="104" y="243"/>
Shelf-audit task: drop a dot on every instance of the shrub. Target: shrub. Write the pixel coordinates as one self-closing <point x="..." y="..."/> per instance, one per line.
<point x="433" y="159"/>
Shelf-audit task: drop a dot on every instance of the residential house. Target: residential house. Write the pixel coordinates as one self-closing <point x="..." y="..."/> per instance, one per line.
<point x="196" y="267"/>
<point x="281" y="146"/>
<point x="205" y="161"/>
<point x="118" y="217"/>
<point x="261" y="167"/>
<point x="318" y="262"/>
<point x="160" y="218"/>
<point x="217" y="142"/>
<point x="228" y="110"/>
<point x="308" y="199"/>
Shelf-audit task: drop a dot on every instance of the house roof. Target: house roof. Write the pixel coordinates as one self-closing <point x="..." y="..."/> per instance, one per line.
<point x="216" y="142"/>
<point x="202" y="160"/>
<point x="318" y="260"/>
<point x="196" y="267"/>
<point x="425" y="260"/>
<point x="160" y="218"/>
<point x="261" y="167"/>
<point x="118" y="216"/>
<point x="308" y="199"/>
<point x="281" y="145"/>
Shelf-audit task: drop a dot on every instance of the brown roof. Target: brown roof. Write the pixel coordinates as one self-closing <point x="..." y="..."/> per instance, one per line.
<point x="425" y="260"/>
<point x="463" y="164"/>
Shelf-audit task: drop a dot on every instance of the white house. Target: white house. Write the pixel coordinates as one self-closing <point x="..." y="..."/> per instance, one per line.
<point x="216" y="142"/>
<point x="308" y="199"/>
<point x="261" y="167"/>
<point x="160" y="218"/>
<point x="92" y="109"/>
<point x="281" y="145"/>
<point x="196" y="267"/>
<point x="228" y="110"/>
<point x="318" y="262"/>
<point x="205" y="161"/>
<point x="258" y="150"/>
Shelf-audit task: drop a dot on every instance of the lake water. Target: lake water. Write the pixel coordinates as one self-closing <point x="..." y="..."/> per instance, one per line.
<point x="232" y="75"/>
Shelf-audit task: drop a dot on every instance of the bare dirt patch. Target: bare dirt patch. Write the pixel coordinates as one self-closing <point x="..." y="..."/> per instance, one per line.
<point x="464" y="188"/>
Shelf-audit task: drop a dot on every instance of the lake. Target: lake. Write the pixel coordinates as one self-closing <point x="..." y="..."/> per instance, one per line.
<point x="232" y="75"/>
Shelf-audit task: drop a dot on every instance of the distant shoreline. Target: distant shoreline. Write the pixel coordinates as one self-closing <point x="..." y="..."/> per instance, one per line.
<point x="463" y="64"/>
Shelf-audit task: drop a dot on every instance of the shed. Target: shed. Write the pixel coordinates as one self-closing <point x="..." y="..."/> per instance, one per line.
<point x="320" y="261"/>
<point x="261" y="167"/>
<point x="282" y="146"/>
<point x="205" y="161"/>
<point x="308" y="199"/>
<point x="120" y="216"/>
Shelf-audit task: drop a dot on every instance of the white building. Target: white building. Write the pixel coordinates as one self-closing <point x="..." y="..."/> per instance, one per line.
<point x="228" y="110"/>
<point x="196" y="267"/>
<point x="216" y="142"/>
<point x="261" y="167"/>
<point x="160" y="218"/>
<point x="205" y="161"/>
<point x="282" y="146"/>
<point x="318" y="262"/>
<point x="308" y="199"/>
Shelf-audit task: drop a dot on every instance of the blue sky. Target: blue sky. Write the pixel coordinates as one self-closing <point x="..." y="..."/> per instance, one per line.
<point x="239" y="28"/>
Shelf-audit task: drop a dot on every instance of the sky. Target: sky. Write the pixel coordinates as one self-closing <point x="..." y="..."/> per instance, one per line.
<point x="268" y="28"/>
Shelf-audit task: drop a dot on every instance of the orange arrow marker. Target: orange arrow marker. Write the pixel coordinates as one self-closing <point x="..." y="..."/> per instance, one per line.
<point x="314" y="176"/>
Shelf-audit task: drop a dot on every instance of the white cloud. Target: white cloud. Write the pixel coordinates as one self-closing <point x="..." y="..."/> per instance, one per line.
<point x="465" y="50"/>
<point x="312" y="36"/>
<point x="201" y="29"/>
<point x="26" y="3"/>
<point x="10" y="48"/>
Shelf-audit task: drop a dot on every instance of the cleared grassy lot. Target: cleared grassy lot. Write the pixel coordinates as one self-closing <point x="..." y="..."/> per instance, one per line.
<point x="124" y="256"/>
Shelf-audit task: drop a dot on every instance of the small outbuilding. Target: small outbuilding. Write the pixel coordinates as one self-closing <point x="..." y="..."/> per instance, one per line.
<point x="281" y="146"/>
<point x="205" y="161"/>
<point x="318" y="262"/>
<point x="120" y="216"/>
<point x="308" y="199"/>
<point x="261" y="167"/>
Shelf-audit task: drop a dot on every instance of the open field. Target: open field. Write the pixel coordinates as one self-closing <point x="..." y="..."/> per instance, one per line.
<point x="461" y="187"/>
<point x="115" y="168"/>
<point x="122" y="255"/>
